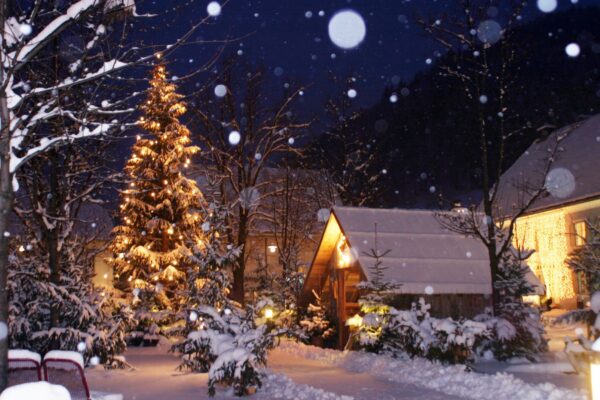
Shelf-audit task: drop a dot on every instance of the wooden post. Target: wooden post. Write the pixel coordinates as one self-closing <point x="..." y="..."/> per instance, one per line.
<point x="342" y="329"/>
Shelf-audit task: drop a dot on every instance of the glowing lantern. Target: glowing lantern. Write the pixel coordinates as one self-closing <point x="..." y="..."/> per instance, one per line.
<point x="272" y="248"/>
<point x="343" y="252"/>
<point x="355" y="321"/>
<point x="268" y="312"/>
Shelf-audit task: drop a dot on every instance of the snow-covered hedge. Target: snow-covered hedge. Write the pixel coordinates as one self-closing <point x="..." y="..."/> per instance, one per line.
<point x="414" y="333"/>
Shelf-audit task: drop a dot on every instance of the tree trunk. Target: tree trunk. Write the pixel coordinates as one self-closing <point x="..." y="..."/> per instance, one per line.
<point x="6" y="201"/>
<point x="51" y="240"/>
<point x="239" y="270"/>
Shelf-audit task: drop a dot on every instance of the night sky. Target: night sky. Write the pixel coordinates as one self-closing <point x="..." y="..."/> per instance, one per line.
<point x="289" y="38"/>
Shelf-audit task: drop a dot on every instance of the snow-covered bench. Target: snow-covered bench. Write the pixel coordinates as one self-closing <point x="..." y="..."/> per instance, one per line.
<point x="24" y="366"/>
<point x="65" y="368"/>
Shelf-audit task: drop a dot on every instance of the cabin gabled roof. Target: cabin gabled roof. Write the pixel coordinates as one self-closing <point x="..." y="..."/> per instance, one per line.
<point x="422" y="253"/>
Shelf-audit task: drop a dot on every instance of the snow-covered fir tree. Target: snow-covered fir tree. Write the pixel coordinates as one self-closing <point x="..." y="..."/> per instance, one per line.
<point x="517" y="329"/>
<point x="90" y="321"/>
<point x="160" y="209"/>
<point x="374" y="304"/>
<point x="209" y="280"/>
<point x="317" y="323"/>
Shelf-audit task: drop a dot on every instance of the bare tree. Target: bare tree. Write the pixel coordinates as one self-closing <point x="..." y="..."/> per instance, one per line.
<point x="482" y="56"/>
<point x="349" y="151"/>
<point x="242" y="133"/>
<point x="294" y="205"/>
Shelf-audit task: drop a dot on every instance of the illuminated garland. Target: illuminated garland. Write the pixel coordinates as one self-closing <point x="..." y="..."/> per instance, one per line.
<point x="547" y="234"/>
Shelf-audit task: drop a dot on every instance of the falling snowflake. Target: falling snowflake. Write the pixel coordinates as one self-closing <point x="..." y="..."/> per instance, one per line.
<point x="213" y="9"/>
<point x="347" y="29"/>
<point x="249" y="198"/>
<point x="234" y="138"/>
<point x="323" y="215"/>
<point x="352" y="93"/>
<point x="547" y="6"/>
<point x="220" y="90"/>
<point x="572" y="50"/>
<point x="489" y="31"/>
<point x="560" y="182"/>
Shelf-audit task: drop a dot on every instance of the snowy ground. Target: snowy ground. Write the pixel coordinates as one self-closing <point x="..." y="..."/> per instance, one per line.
<point x="305" y="372"/>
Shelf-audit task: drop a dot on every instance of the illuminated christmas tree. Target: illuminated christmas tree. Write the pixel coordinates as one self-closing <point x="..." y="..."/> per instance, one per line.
<point x="160" y="210"/>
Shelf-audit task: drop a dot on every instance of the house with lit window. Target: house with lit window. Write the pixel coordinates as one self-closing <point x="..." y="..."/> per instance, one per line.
<point x="556" y="222"/>
<point x="449" y="270"/>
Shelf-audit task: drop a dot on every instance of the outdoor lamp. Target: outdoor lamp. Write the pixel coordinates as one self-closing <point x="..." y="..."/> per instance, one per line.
<point x="268" y="313"/>
<point x="354" y="321"/>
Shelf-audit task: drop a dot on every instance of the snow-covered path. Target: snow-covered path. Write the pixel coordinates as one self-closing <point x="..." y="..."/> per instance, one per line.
<point x="156" y="378"/>
<point x="309" y="373"/>
<point x="359" y="385"/>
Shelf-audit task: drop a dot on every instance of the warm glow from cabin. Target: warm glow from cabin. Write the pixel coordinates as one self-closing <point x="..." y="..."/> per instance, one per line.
<point x="343" y="253"/>
<point x="547" y="234"/>
<point x="354" y="321"/>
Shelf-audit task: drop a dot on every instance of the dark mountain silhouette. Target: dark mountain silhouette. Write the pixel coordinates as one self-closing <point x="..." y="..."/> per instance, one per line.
<point x="427" y="138"/>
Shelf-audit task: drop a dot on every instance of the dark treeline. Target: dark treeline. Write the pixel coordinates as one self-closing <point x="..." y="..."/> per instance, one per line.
<point x="426" y="139"/>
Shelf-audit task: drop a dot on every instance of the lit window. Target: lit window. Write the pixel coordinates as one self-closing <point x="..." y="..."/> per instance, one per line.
<point x="580" y="233"/>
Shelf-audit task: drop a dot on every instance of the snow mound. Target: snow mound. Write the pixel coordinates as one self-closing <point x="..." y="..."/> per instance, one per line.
<point x="452" y="380"/>
<point x="276" y="386"/>
<point x="73" y="356"/>
<point x="37" y="391"/>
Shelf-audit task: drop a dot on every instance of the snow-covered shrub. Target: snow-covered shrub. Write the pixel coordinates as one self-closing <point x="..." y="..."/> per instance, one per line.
<point x="90" y="320"/>
<point x="516" y="329"/>
<point x="317" y="323"/>
<point x="231" y="344"/>
<point x="414" y="333"/>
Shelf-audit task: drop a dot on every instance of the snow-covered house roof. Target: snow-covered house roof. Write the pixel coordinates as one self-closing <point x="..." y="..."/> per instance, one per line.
<point x="573" y="175"/>
<point x="423" y="255"/>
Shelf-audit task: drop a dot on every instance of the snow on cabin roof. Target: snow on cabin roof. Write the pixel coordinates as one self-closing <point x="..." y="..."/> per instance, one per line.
<point x="423" y="254"/>
<point x="574" y="170"/>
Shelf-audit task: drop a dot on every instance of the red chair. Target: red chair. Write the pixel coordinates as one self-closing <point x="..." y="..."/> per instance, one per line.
<point x="65" y="368"/>
<point x="24" y="366"/>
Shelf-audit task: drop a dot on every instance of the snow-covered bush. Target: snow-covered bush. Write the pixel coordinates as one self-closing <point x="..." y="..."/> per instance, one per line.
<point x="231" y="344"/>
<point x="516" y="329"/>
<point x="414" y="333"/>
<point x="90" y="320"/>
<point x="317" y="323"/>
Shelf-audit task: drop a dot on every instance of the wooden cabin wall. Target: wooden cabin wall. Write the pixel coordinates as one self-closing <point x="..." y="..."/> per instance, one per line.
<point x="447" y="305"/>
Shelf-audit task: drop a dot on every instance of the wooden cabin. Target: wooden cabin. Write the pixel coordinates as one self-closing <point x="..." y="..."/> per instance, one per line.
<point x="451" y="271"/>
